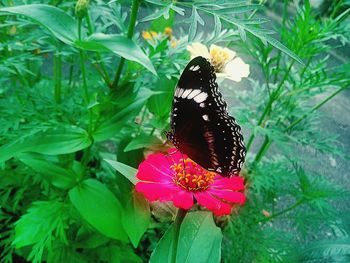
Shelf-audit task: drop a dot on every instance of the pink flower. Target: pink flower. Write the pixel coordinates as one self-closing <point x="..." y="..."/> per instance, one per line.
<point x="163" y="177"/>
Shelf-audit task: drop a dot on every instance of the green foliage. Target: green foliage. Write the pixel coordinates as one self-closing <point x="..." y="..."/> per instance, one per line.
<point x="92" y="199"/>
<point x="198" y="233"/>
<point x="71" y="140"/>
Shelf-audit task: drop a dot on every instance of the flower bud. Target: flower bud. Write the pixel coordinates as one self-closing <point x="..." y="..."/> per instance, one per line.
<point x="81" y="8"/>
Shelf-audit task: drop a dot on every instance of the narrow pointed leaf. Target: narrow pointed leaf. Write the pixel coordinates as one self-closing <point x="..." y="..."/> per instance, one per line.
<point x="120" y="45"/>
<point x="126" y="170"/>
<point x="59" y="23"/>
<point x="63" y="140"/>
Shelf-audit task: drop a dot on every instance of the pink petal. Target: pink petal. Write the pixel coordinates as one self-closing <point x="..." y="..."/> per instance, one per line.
<point x="234" y="183"/>
<point x="218" y="207"/>
<point x="228" y="195"/>
<point x="156" y="191"/>
<point x="183" y="199"/>
<point x="156" y="168"/>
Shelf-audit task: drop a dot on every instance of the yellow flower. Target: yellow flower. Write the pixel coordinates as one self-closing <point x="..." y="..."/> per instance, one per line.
<point x="173" y="43"/>
<point x="154" y="34"/>
<point x="168" y="31"/>
<point x="224" y="61"/>
<point x="147" y="35"/>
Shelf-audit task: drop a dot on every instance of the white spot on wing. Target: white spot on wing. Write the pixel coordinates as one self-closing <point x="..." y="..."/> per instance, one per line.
<point x="201" y="97"/>
<point x="194" y="93"/>
<point x="185" y="94"/>
<point x="205" y="117"/>
<point x="195" y="68"/>
<point x="180" y="92"/>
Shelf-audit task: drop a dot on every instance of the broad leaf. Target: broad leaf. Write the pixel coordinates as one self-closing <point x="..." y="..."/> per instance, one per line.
<point x="126" y="170"/>
<point x="199" y="241"/>
<point x="120" y="45"/>
<point x="143" y="141"/>
<point x="99" y="206"/>
<point x="112" y="125"/>
<point x="63" y="140"/>
<point x="59" y="23"/>
<point x="160" y="104"/>
<point x="136" y="217"/>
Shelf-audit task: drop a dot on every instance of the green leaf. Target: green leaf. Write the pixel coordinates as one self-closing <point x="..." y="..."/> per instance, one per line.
<point x="99" y="207"/>
<point x="264" y="37"/>
<point x="326" y="249"/>
<point x="136" y="217"/>
<point x="63" y="140"/>
<point x="120" y="45"/>
<point x="160" y="104"/>
<point x="37" y="225"/>
<point x="112" y="125"/>
<point x="199" y="241"/>
<point x="59" y="23"/>
<point x="55" y="174"/>
<point x="143" y="141"/>
<point x="162" y="252"/>
<point x="193" y="26"/>
<point x="117" y="254"/>
<point x="126" y="170"/>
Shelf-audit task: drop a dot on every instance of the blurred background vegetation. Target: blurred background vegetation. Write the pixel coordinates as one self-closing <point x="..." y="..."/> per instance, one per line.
<point x="76" y="91"/>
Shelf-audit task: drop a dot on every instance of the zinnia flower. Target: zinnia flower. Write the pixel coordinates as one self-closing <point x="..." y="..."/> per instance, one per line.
<point x="164" y="178"/>
<point x="224" y="60"/>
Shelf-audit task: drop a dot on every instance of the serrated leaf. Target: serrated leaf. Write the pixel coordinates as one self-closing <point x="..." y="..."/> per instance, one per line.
<point x="218" y="26"/>
<point x="178" y="10"/>
<point x="326" y="249"/>
<point x="155" y="15"/>
<point x="266" y="38"/>
<point x="37" y="225"/>
<point x="242" y="34"/>
<point x="193" y="26"/>
<point x="55" y="174"/>
<point x="99" y="207"/>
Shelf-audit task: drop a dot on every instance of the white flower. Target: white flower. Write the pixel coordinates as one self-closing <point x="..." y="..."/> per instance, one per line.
<point x="224" y="61"/>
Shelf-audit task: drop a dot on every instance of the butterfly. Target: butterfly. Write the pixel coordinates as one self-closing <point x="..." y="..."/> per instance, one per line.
<point x="200" y="125"/>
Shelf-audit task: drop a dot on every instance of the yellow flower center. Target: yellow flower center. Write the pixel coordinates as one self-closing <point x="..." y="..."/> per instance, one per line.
<point x="193" y="177"/>
<point x="219" y="57"/>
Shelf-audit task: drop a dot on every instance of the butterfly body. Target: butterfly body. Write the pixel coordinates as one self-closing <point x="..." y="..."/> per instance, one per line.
<point x="200" y="125"/>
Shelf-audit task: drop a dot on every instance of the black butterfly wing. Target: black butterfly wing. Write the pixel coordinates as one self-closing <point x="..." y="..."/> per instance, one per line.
<point x="200" y="124"/>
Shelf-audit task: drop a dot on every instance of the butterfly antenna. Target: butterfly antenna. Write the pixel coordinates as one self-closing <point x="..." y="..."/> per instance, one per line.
<point x="183" y="162"/>
<point x="169" y="156"/>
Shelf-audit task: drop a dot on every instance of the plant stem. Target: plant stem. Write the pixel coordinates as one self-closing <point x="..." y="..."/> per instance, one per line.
<point x="57" y="65"/>
<point x="181" y="213"/>
<point x="264" y="147"/>
<point x="86" y="94"/>
<point x="274" y="96"/>
<point x="98" y="56"/>
<point x="82" y="66"/>
<point x="315" y="108"/>
<point x="301" y="201"/>
<point x="132" y="23"/>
